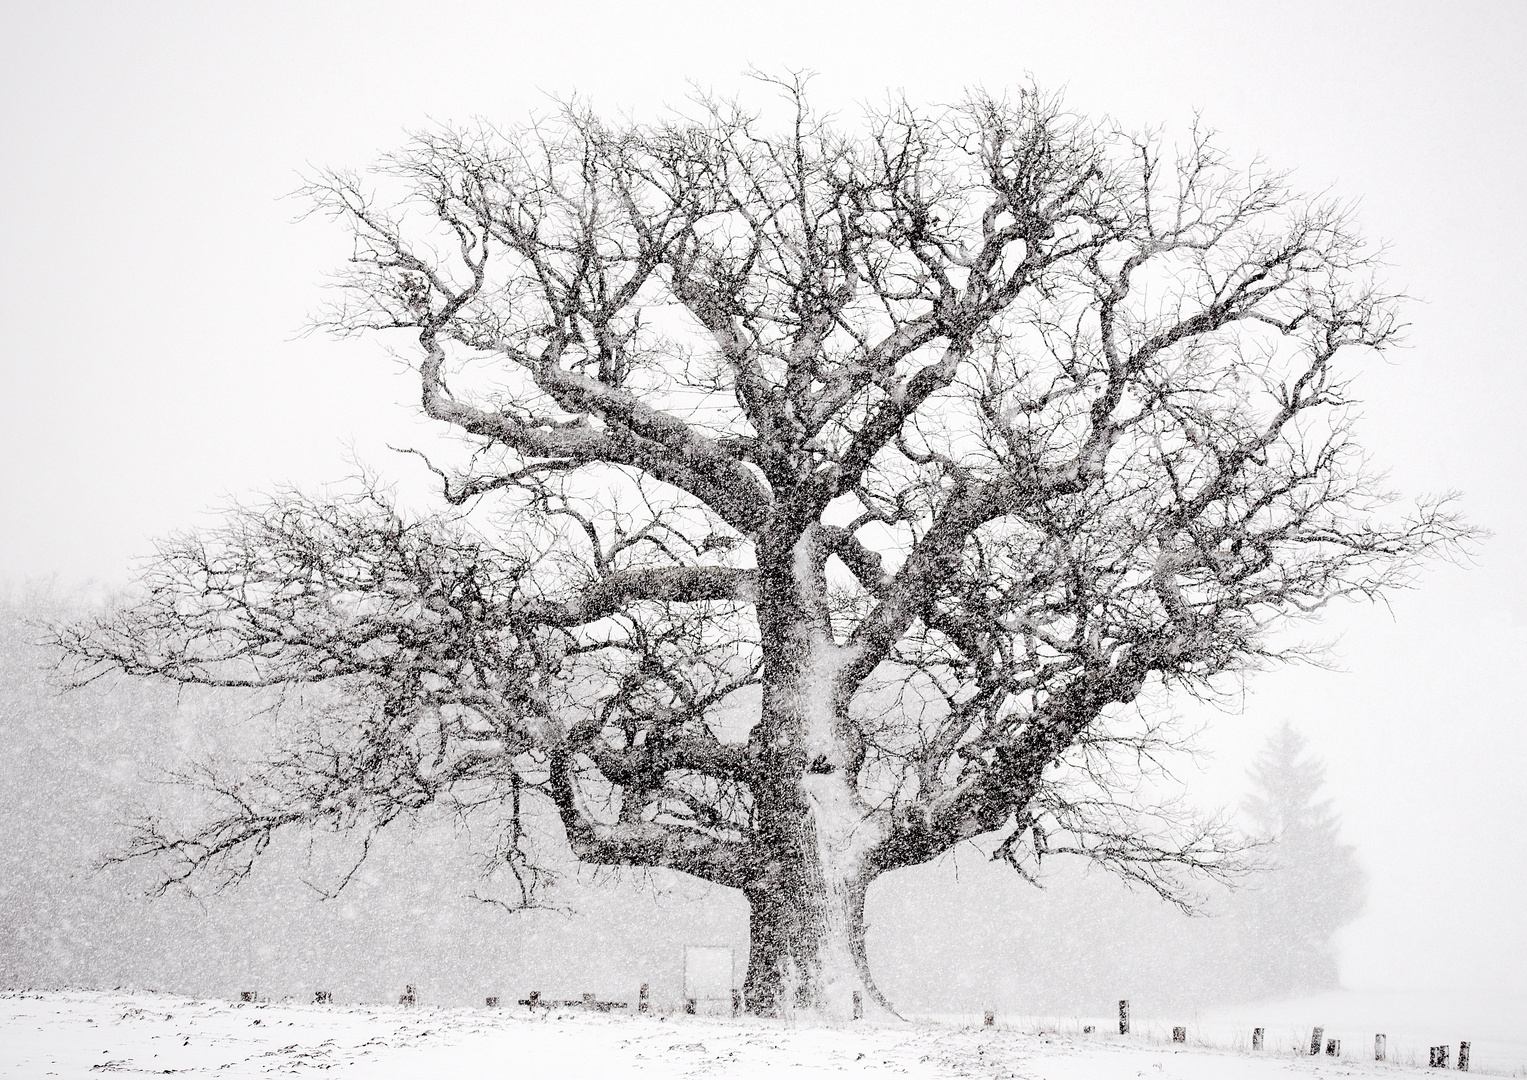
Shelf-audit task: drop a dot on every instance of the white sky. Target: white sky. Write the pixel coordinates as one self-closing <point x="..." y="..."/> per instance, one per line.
<point x="152" y="286"/>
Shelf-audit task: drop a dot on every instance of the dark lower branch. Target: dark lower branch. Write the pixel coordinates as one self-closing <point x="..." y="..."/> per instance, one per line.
<point x="612" y="594"/>
<point x="654" y="844"/>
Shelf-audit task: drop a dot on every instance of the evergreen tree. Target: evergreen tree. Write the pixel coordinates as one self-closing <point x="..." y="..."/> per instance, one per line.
<point x="1287" y="917"/>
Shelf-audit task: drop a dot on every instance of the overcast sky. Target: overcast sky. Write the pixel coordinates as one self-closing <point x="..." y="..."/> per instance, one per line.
<point x="153" y="287"/>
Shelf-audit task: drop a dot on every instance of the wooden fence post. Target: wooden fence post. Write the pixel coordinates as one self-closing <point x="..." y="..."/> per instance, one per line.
<point x="1438" y="1057"/>
<point x="408" y="995"/>
<point x="1257" y="1035"/>
<point x="1315" y="1037"/>
<point x="1180" y="1034"/>
<point x="689" y="1006"/>
<point x="736" y="1003"/>
<point x="322" y="997"/>
<point x="1123" y="1016"/>
<point x="1333" y="1047"/>
<point x="641" y="999"/>
<point x="533" y="1000"/>
<point x="1379" y="1048"/>
<point x="1463" y="1057"/>
<point x="858" y="1006"/>
<point x="248" y="995"/>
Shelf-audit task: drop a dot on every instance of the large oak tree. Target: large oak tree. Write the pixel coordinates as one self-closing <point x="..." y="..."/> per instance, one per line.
<point x="828" y="496"/>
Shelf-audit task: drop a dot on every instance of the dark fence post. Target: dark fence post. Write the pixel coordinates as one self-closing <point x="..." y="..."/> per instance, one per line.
<point x="858" y="1006"/>
<point x="990" y="1019"/>
<point x="1379" y="1047"/>
<point x="689" y="1006"/>
<point x="1256" y="1038"/>
<point x="408" y="995"/>
<point x="1315" y="1037"/>
<point x="1333" y="1047"/>
<point x="1180" y="1034"/>
<point x="322" y="997"/>
<point x="641" y="999"/>
<point x="1439" y="1057"/>
<point x="1123" y="1016"/>
<point x="533" y="1000"/>
<point x="248" y="995"/>
<point x="736" y="1002"/>
<point x="1463" y="1057"/>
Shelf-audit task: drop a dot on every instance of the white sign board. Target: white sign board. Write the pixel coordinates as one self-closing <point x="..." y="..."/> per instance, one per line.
<point x="708" y="972"/>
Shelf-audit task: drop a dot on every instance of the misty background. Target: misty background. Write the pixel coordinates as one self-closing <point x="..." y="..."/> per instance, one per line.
<point x="957" y="936"/>
<point x="154" y="293"/>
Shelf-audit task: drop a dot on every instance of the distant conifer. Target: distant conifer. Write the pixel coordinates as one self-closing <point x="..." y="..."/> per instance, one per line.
<point x="1287" y="917"/>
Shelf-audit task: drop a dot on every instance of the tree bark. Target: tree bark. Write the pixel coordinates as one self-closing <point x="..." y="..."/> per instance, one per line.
<point x="807" y="899"/>
<point x="806" y="937"/>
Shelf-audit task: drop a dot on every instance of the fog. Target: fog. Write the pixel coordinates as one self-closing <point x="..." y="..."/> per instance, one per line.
<point x="154" y="292"/>
<point x="960" y="935"/>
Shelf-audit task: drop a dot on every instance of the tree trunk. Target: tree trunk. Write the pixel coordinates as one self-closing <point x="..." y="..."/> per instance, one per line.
<point x="806" y="927"/>
<point x="807" y="923"/>
<point x="807" y="955"/>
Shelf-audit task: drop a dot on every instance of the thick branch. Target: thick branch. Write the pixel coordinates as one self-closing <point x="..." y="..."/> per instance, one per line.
<point x="619" y="590"/>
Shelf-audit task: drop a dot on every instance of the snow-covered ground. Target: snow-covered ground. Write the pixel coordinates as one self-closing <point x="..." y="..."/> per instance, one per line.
<point x="1495" y="1024"/>
<point x="1412" y="1021"/>
<point x="94" y="1033"/>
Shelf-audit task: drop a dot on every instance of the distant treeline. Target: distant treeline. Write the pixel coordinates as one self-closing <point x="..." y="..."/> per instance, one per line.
<point x="959" y="935"/>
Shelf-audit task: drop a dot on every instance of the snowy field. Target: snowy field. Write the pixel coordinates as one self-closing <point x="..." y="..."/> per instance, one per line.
<point x="1412" y="1021"/>
<point x="92" y="1034"/>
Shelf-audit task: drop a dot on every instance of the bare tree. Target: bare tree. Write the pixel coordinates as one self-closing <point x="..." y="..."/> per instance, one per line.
<point x="829" y="496"/>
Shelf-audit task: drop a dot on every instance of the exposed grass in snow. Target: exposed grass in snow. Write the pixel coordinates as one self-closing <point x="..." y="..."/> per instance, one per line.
<point x="99" y="1033"/>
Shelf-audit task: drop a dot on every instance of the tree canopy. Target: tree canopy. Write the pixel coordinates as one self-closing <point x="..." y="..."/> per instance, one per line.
<point x="827" y="496"/>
